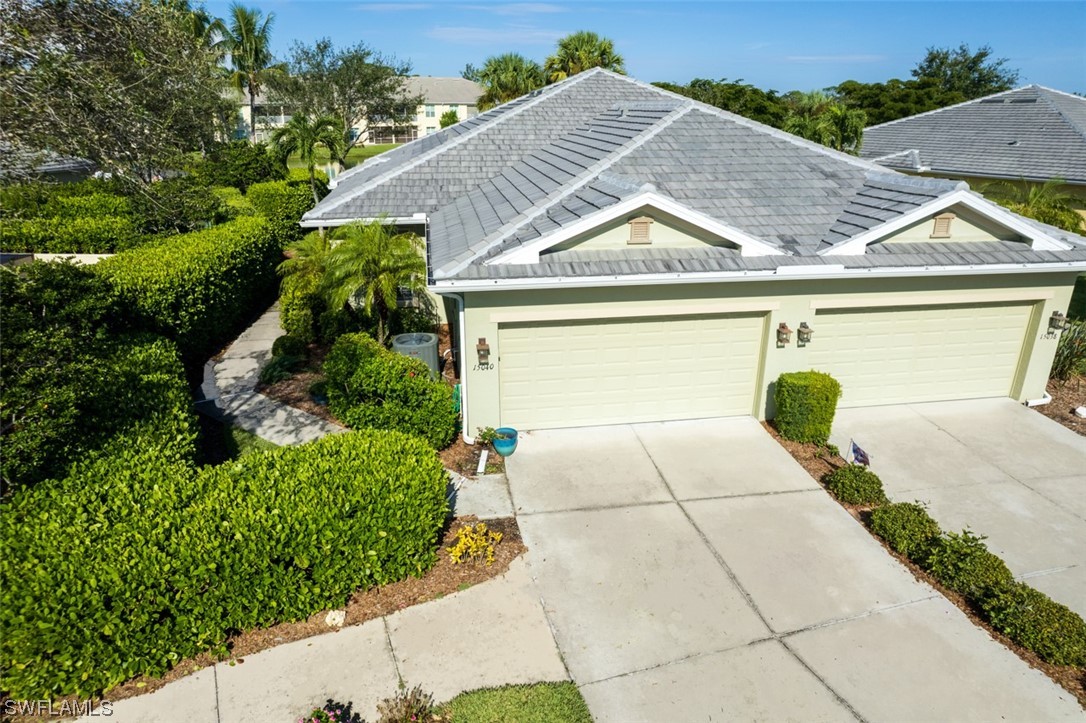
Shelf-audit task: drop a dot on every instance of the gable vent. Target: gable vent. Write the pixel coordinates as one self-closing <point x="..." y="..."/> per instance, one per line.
<point x="942" y="225"/>
<point x="640" y="231"/>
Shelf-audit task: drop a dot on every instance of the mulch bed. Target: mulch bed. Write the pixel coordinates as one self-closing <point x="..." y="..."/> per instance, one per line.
<point x="444" y="578"/>
<point x="818" y="462"/>
<point x="1066" y="397"/>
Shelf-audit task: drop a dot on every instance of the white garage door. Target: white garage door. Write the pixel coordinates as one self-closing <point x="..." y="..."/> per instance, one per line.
<point x="920" y="354"/>
<point x="567" y="374"/>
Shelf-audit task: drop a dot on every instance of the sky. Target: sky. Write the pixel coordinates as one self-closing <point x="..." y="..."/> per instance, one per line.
<point x="772" y="45"/>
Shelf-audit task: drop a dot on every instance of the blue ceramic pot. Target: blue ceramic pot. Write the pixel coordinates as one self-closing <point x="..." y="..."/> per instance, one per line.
<point x="506" y="441"/>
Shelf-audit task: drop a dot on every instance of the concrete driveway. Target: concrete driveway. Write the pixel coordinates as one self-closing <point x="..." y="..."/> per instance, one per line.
<point x="992" y="465"/>
<point x="693" y="571"/>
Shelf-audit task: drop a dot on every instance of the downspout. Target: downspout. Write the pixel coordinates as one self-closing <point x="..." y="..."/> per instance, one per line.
<point x="462" y="370"/>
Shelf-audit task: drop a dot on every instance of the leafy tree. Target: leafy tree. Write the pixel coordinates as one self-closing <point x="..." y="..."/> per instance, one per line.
<point x="354" y="85"/>
<point x="579" y="52"/>
<point x="248" y="39"/>
<point x="239" y="164"/>
<point x="507" y="77"/>
<point x="121" y="83"/>
<point x="972" y="74"/>
<point x="1045" y="202"/>
<point x="449" y="118"/>
<point x="206" y="29"/>
<point x="894" y="99"/>
<point x="734" y="96"/>
<point x="818" y="116"/>
<point x="302" y="135"/>
<point x="368" y="266"/>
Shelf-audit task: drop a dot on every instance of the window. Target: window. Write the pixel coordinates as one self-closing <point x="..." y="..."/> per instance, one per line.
<point x="431" y="130"/>
<point x="430" y="111"/>
<point x="942" y="225"/>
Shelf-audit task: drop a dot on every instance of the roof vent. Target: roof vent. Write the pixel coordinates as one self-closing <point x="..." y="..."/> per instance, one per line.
<point x="639" y="231"/>
<point x="942" y="225"/>
<point x="1013" y="143"/>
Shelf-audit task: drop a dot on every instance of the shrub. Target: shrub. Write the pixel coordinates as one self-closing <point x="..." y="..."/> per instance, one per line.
<point x="289" y="345"/>
<point x="176" y="205"/>
<point x="964" y="564"/>
<point x="136" y="561"/>
<point x="300" y="177"/>
<point x="86" y="235"/>
<point x="93" y="204"/>
<point x="1070" y="352"/>
<point x="538" y="703"/>
<point x="855" y="484"/>
<point x="197" y="287"/>
<point x="1038" y="623"/>
<point x="333" y="712"/>
<point x="239" y="164"/>
<point x="300" y="303"/>
<point x="280" y="368"/>
<point x="234" y="201"/>
<point x="369" y="386"/>
<point x="474" y="544"/>
<point x="283" y="205"/>
<point x="907" y="528"/>
<point x="806" y="403"/>
<point x="407" y="706"/>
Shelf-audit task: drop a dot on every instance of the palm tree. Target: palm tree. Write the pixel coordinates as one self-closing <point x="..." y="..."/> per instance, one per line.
<point x="582" y="51"/>
<point x="846" y="127"/>
<point x="248" y="39"/>
<point x="302" y="136"/>
<point x="507" y="77"/>
<point x="368" y="264"/>
<point x="1046" y="202"/>
<point x="307" y="257"/>
<point x="819" y="117"/>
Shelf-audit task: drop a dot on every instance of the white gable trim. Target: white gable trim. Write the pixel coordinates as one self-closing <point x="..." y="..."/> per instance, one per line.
<point x="857" y="245"/>
<point x="529" y="253"/>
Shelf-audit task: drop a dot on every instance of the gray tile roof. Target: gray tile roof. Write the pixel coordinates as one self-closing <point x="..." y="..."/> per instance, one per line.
<point x="1032" y="132"/>
<point x="544" y="162"/>
<point x="458" y="91"/>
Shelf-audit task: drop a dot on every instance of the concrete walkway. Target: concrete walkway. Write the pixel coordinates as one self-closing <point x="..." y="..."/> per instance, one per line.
<point x="489" y="635"/>
<point x="994" y="466"/>
<point x="693" y="571"/>
<point x="229" y="390"/>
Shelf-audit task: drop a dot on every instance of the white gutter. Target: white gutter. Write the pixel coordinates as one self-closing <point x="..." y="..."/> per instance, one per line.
<point x="462" y="370"/>
<point x="793" y="273"/>
<point x="416" y="219"/>
<point x="1045" y="399"/>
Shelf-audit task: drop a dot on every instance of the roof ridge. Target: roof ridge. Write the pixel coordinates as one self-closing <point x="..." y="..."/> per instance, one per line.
<point x="949" y="107"/>
<point x="760" y="127"/>
<point x="1067" y="119"/>
<point x="545" y="92"/>
<point x="563" y="192"/>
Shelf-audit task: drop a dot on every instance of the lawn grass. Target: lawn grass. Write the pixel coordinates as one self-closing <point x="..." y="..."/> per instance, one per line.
<point x="240" y="443"/>
<point x="355" y="156"/>
<point x="537" y="703"/>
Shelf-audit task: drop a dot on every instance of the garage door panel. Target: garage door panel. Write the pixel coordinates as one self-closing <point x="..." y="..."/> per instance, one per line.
<point x="627" y="370"/>
<point x="913" y="354"/>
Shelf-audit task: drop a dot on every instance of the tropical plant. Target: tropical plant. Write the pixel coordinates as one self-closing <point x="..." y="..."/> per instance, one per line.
<point x="205" y="28"/>
<point x="819" y="117"/>
<point x="302" y="135"/>
<point x="581" y="51"/>
<point x="507" y="77"/>
<point x="248" y="39"/>
<point x="449" y="118"/>
<point x="1070" y="352"/>
<point x="368" y="265"/>
<point x="1045" y="202"/>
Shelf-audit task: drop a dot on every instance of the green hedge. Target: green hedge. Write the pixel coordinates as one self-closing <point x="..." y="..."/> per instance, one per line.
<point x="196" y="288"/>
<point x="300" y="305"/>
<point x="369" y="386"/>
<point x="1035" y="621"/>
<point x="134" y="563"/>
<point x="86" y="235"/>
<point x="283" y="204"/>
<point x="907" y="528"/>
<point x="856" y="485"/>
<point x="239" y="164"/>
<point x="964" y="564"/>
<point x="806" y="403"/>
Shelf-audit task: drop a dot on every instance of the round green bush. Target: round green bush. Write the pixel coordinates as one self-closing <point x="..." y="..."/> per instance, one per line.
<point x="138" y="560"/>
<point x="1035" y="621"/>
<point x="855" y="485"/>
<point x="964" y="564"/>
<point x="806" y="403"/>
<point x="907" y="528"/>
<point x="287" y="345"/>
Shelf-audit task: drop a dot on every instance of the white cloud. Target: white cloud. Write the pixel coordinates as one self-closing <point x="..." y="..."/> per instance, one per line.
<point x="503" y="36"/>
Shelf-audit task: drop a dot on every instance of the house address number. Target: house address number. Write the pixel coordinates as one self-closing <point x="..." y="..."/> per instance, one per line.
<point x="485" y="367"/>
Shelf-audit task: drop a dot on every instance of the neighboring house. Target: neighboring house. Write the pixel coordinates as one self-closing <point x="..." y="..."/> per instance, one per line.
<point x="1032" y="133"/>
<point x="439" y="94"/>
<point x="610" y="252"/>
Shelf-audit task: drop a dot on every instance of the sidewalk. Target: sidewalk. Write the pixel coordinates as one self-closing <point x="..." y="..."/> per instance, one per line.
<point x="489" y="635"/>
<point x="229" y="390"/>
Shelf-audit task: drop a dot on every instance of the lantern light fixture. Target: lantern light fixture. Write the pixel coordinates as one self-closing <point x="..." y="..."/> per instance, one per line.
<point x="803" y="334"/>
<point x="482" y="349"/>
<point x="1058" y="322"/>
<point x="784" y="334"/>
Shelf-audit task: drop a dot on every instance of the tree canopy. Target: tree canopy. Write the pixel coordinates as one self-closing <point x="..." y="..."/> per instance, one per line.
<point x="581" y="51"/>
<point x="507" y="77"/>
<point x="123" y="83"/>
<point x="248" y="38"/>
<point x="734" y="96"/>
<point x="352" y="84"/>
<point x="894" y="99"/>
<point x="968" y="73"/>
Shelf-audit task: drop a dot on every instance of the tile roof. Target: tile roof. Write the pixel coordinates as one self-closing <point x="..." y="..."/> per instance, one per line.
<point x="542" y="163"/>
<point x="1032" y="132"/>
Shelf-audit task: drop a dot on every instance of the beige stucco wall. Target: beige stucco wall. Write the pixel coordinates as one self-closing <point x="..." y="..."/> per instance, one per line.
<point x="665" y="232"/>
<point x="966" y="227"/>
<point x="788" y="301"/>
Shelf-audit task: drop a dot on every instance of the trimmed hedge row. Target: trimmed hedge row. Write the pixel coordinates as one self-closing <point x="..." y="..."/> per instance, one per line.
<point x="283" y="204"/>
<point x="60" y="235"/>
<point x="370" y="386"/>
<point x="196" y="288"/>
<point x="138" y="560"/>
<point x="806" y="403"/>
